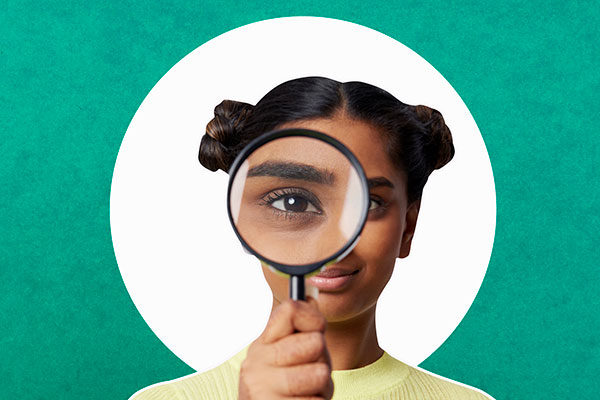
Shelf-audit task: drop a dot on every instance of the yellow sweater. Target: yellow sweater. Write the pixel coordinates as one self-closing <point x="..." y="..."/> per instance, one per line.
<point x="385" y="379"/>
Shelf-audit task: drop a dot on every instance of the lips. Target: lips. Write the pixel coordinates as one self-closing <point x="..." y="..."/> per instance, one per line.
<point x="335" y="272"/>
<point x="332" y="279"/>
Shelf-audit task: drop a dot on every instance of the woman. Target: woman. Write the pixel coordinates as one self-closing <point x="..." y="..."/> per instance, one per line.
<point x="328" y="346"/>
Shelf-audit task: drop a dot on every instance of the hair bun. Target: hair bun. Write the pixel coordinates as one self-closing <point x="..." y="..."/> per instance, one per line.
<point x="439" y="148"/>
<point x="223" y="134"/>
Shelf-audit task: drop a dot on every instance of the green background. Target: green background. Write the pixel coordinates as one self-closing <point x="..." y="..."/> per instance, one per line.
<point x="73" y="74"/>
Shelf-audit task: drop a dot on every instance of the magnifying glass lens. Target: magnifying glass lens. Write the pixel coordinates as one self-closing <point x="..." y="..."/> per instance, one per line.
<point x="297" y="200"/>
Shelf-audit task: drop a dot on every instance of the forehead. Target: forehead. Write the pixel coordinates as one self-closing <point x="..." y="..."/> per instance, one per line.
<point x="364" y="140"/>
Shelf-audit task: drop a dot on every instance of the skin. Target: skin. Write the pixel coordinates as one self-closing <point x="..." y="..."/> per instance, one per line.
<point x="304" y="341"/>
<point x="266" y="228"/>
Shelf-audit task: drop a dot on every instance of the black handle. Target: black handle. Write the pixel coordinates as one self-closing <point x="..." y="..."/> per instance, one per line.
<point x="297" y="287"/>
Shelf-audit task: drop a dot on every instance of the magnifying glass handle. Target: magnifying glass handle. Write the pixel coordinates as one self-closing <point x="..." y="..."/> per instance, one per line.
<point x="297" y="291"/>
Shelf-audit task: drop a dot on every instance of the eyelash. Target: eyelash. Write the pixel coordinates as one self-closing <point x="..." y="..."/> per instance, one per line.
<point x="381" y="205"/>
<point x="278" y="194"/>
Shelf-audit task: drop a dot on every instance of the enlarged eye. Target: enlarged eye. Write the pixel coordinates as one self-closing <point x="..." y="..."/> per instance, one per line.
<point x="294" y="203"/>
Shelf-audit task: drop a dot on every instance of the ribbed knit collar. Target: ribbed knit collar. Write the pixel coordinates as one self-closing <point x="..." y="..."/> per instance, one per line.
<point x="369" y="380"/>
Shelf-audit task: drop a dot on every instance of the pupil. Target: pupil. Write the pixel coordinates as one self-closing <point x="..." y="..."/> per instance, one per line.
<point x="295" y="204"/>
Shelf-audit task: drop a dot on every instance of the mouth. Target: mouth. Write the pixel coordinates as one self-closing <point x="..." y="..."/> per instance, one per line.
<point x="332" y="279"/>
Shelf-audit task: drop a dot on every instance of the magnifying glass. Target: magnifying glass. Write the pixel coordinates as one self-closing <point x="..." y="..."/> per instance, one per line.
<point x="298" y="200"/>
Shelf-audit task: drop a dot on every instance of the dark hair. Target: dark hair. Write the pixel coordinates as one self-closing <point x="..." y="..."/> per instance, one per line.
<point x="419" y="140"/>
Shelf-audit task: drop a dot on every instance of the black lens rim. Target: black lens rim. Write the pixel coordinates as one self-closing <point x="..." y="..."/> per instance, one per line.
<point x="302" y="269"/>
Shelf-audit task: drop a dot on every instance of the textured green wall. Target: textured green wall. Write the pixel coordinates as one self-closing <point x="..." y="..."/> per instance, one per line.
<point x="73" y="74"/>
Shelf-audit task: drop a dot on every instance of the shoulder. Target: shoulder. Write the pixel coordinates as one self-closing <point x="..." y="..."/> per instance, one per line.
<point x="440" y="387"/>
<point x="159" y="391"/>
<point x="218" y="383"/>
<point x="391" y="379"/>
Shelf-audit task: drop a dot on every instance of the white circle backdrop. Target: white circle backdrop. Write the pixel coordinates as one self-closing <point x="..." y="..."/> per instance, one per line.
<point x="181" y="262"/>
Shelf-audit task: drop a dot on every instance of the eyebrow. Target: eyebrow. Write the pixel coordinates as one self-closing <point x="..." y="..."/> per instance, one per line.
<point x="289" y="170"/>
<point x="379" y="181"/>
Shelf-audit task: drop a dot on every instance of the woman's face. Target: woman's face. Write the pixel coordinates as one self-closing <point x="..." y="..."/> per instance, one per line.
<point x="352" y="286"/>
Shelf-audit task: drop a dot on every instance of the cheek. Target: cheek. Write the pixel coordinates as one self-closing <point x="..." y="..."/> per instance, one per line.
<point x="378" y="249"/>
<point x="381" y="238"/>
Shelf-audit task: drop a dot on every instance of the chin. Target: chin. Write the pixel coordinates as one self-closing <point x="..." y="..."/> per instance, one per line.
<point x="339" y="308"/>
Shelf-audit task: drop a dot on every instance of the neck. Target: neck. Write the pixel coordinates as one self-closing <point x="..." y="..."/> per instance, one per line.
<point x="353" y="343"/>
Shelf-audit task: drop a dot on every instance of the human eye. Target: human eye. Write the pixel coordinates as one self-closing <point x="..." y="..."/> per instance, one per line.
<point x="294" y="204"/>
<point x="292" y="201"/>
<point x="375" y="203"/>
<point x="377" y="206"/>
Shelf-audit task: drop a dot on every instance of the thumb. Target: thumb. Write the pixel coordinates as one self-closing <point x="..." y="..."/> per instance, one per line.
<point x="312" y="302"/>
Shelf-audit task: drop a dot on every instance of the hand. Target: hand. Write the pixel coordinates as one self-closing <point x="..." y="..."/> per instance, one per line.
<point x="290" y="359"/>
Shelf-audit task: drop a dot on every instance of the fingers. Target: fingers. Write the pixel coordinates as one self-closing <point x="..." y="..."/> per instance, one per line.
<point x="290" y="359"/>
<point x="293" y="316"/>
<point x="312" y="301"/>
<point x="299" y="348"/>
<point x="313" y="379"/>
<point x="308" y="398"/>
